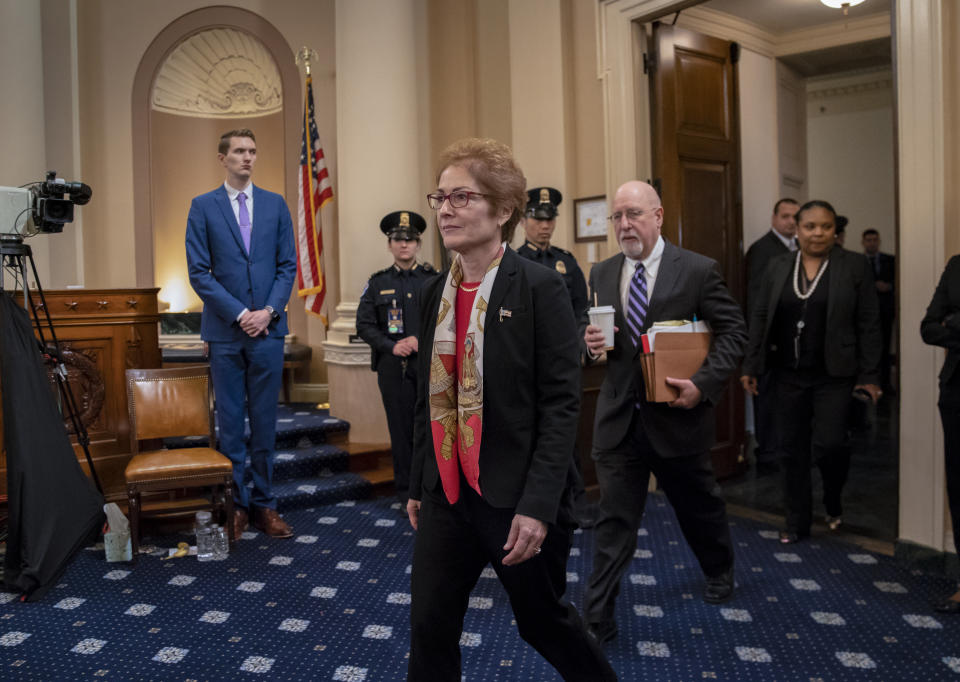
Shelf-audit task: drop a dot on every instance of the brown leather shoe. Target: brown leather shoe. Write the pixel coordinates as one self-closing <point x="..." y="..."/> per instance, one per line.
<point x="269" y="521"/>
<point x="240" y="522"/>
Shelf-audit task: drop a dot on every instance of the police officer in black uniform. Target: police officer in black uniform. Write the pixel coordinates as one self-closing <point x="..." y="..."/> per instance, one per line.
<point x="388" y="317"/>
<point x="540" y="222"/>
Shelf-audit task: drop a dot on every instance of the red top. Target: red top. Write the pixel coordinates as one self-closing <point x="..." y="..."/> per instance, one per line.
<point x="469" y="457"/>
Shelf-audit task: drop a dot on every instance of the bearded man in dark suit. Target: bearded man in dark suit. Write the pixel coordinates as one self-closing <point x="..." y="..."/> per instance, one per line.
<point x="653" y="280"/>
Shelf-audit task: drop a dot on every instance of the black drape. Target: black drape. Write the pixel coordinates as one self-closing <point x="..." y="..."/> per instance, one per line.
<point x="54" y="509"/>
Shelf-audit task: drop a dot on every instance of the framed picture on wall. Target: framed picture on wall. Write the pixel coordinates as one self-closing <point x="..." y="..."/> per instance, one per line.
<point x="591" y="219"/>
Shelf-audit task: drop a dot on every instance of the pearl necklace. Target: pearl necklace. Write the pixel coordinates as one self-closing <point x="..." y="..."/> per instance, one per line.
<point x="813" y="284"/>
<point x="463" y="288"/>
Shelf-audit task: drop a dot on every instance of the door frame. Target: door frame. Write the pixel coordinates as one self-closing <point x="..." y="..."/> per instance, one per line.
<point x="918" y="68"/>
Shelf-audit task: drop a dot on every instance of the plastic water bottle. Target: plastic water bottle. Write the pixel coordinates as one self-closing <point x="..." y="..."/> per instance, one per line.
<point x="204" y="532"/>
<point x="221" y="543"/>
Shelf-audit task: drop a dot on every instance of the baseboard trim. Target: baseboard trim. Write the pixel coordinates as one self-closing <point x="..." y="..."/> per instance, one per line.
<point x="310" y="393"/>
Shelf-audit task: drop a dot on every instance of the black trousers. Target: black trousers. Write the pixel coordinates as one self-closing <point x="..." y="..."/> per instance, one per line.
<point x="812" y="413"/>
<point x="624" y="474"/>
<point x="397" y="378"/>
<point x="950" y="415"/>
<point x="453" y="545"/>
<point x="764" y="420"/>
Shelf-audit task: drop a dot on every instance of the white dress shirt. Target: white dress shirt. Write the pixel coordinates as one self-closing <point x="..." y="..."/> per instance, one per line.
<point x="235" y="205"/>
<point x="789" y="242"/>
<point x="651" y="266"/>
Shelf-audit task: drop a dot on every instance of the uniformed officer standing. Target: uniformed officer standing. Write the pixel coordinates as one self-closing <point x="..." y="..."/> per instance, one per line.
<point x="540" y="222"/>
<point x="387" y="319"/>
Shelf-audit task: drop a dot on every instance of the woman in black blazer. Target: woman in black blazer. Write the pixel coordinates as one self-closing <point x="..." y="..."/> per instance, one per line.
<point x="495" y="422"/>
<point x="817" y="327"/>
<point x="941" y="327"/>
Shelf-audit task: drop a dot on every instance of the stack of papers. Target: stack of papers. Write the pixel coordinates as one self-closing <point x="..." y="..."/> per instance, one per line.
<point x="675" y="349"/>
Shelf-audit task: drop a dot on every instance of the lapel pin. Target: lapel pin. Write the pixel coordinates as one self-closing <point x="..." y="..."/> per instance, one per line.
<point x="505" y="313"/>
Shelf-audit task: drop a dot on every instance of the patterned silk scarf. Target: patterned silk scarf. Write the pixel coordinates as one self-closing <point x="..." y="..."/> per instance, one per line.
<point x="456" y="404"/>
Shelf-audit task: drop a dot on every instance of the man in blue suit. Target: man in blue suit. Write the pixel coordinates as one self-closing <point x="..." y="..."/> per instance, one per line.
<point x="242" y="261"/>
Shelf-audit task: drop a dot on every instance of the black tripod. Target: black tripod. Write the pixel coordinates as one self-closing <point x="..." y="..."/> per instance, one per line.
<point x="16" y="255"/>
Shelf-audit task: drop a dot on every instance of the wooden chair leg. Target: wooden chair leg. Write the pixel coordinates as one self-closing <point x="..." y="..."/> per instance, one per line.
<point x="228" y="509"/>
<point x="133" y="503"/>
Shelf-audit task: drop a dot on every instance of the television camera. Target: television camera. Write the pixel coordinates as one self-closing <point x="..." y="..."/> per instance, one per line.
<point x="40" y="207"/>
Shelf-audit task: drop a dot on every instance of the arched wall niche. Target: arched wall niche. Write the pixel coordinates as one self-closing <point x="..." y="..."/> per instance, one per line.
<point x="277" y="137"/>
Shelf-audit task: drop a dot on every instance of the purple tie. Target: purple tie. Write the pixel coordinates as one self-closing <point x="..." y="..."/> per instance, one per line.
<point x="244" y="221"/>
<point x="637" y="305"/>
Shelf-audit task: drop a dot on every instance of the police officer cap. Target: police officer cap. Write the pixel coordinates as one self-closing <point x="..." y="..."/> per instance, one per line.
<point x="542" y="203"/>
<point x="403" y="225"/>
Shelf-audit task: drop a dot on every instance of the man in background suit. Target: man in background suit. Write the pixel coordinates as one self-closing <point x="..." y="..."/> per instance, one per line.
<point x="653" y="280"/>
<point x="242" y="261"/>
<point x="781" y="238"/>
<point x="884" y="273"/>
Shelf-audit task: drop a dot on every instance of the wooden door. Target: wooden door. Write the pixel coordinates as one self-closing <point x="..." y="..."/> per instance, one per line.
<point x="696" y="148"/>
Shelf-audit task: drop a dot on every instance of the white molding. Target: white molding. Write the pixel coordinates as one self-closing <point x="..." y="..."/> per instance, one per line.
<point x="728" y="27"/>
<point x="853" y="85"/>
<point x="769" y="44"/>
<point x="920" y="257"/>
<point x="832" y="35"/>
<point x="349" y="354"/>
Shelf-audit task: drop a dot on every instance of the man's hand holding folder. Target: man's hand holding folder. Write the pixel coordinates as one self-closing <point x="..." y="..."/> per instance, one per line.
<point x="672" y="353"/>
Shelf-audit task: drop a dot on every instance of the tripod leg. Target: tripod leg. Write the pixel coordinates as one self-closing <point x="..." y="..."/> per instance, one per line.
<point x="66" y="393"/>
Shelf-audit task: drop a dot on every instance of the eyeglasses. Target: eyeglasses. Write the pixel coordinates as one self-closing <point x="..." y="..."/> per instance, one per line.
<point x="458" y="198"/>
<point x="633" y="215"/>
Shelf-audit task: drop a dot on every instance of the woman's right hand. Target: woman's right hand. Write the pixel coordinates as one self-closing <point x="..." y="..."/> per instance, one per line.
<point x="749" y="384"/>
<point x="413" y="512"/>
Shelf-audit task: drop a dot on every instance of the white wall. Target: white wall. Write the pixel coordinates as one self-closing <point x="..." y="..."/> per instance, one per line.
<point x="22" y="146"/>
<point x="850" y="152"/>
<point x="758" y="142"/>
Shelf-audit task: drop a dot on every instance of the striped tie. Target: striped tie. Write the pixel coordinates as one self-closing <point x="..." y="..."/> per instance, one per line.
<point x="637" y="305"/>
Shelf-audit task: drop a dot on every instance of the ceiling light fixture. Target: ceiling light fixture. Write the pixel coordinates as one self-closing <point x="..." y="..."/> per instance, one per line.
<point x="845" y="5"/>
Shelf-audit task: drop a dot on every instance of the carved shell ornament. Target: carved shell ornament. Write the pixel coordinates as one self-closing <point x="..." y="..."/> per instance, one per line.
<point x="218" y="73"/>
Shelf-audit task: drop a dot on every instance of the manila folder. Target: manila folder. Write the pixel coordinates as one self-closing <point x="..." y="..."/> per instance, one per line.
<point x="677" y="355"/>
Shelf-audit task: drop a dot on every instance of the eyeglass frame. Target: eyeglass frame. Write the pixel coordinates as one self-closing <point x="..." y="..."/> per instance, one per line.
<point x="638" y="213"/>
<point x="449" y="197"/>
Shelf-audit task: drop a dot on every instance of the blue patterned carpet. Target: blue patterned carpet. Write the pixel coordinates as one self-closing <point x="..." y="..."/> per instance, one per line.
<point x="332" y="604"/>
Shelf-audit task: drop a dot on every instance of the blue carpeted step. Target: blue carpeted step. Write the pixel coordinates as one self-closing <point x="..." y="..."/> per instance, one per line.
<point x="295" y="423"/>
<point x="315" y="460"/>
<point x="320" y="490"/>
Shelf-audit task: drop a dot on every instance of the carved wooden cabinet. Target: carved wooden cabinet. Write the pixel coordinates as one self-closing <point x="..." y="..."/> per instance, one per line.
<point x="102" y="333"/>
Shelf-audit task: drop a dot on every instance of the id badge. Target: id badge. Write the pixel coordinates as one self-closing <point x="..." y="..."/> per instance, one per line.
<point x="395" y="319"/>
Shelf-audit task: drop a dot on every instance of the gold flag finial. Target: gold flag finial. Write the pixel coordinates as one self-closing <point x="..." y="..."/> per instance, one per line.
<point x="304" y="55"/>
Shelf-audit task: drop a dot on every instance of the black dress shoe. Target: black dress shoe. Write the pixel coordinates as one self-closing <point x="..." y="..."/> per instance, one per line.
<point x="947" y="606"/>
<point x="602" y="632"/>
<point x="719" y="588"/>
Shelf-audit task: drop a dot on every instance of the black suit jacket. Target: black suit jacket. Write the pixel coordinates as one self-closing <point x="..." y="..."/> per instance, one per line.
<point x="759" y="255"/>
<point x="886" y="271"/>
<point x="852" y="344"/>
<point x="687" y="285"/>
<point x="531" y="391"/>
<point x="941" y="325"/>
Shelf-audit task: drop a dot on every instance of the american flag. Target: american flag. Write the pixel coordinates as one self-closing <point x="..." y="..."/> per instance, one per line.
<point x="313" y="193"/>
